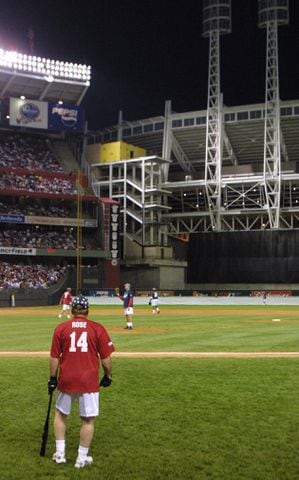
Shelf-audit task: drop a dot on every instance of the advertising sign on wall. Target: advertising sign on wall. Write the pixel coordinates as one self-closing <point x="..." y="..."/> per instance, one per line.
<point x="65" y="117"/>
<point x="28" y="113"/>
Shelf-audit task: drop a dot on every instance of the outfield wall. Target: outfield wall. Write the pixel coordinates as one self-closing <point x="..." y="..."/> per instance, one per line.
<point x="202" y="300"/>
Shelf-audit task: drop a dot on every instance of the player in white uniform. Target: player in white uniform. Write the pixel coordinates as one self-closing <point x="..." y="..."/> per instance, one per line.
<point x="154" y="301"/>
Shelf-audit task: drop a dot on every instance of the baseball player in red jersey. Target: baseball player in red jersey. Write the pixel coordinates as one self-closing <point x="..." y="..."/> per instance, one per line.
<point x="65" y="302"/>
<point x="78" y="347"/>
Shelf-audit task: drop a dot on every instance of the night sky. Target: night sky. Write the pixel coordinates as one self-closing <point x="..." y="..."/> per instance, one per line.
<point x="145" y="52"/>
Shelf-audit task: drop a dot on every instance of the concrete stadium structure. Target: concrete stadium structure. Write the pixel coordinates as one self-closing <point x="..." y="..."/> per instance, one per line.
<point x="223" y="169"/>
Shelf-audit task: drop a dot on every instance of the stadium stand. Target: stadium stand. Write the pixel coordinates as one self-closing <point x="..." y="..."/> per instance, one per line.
<point x="27" y="152"/>
<point x="22" y="275"/>
<point x="39" y="221"/>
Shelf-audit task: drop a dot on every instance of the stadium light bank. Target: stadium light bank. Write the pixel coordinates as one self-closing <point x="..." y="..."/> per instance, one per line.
<point x="44" y="67"/>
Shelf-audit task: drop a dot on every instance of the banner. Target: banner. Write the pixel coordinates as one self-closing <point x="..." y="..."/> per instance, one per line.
<point x="65" y="221"/>
<point x="17" y="251"/>
<point x="28" y="113"/>
<point x="65" y="117"/>
<point x="7" y="218"/>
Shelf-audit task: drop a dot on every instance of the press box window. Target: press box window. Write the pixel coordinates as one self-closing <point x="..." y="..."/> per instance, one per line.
<point x="242" y="115"/>
<point x="148" y="128"/>
<point x="176" y="123"/>
<point x="286" y="111"/>
<point x="255" y="114"/>
<point x="200" y="120"/>
<point x="188" y="122"/>
<point x="230" y="117"/>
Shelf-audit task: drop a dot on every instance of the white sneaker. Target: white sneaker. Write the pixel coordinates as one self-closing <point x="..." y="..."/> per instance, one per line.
<point x="81" y="463"/>
<point x="59" y="457"/>
<point x="59" y="316"/>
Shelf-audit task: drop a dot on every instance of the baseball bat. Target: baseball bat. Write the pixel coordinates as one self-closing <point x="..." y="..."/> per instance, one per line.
<point x="46" y="429"/>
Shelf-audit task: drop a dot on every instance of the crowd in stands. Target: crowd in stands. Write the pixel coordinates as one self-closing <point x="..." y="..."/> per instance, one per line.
<point x="36" y="209"/>
<point x="41" y="238"/>
<point x="37" y="183"/>
<point x="45" y="207"/>
<point x="28" y="152"/>
<point x="22" y="275"/>
<point x="29" y="167"/>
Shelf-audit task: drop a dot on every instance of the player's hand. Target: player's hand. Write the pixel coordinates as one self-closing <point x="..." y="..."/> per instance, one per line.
<point x="105" y="381"/>
<point x="52" y="384"/>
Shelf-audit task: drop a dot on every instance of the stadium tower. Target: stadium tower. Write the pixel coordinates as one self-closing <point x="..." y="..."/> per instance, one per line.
<point x="272" y="13"/>
<point x="216" y="22"/>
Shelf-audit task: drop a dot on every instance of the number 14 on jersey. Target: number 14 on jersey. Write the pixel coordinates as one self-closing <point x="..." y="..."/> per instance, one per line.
<point x="78" y="343"/>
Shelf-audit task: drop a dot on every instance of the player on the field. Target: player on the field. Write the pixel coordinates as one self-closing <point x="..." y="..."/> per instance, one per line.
<point x="127" y="298"/>
<point x="65" y="302"/>
<point x="79" y="346"/>
<point x="154" y="301"/>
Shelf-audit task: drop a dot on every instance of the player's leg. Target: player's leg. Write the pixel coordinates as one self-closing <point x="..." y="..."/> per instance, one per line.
<point x="88" y="409"/>
<point x="60" y="420"/>
<point x="86" y="431"/>
<point x="63" y="409"/>
<point x="63" y="311"/>
<point x="86" y="436"/>
<point x="130" y="318"/>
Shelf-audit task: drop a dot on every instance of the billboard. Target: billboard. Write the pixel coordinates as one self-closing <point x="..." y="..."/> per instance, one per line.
<point x="28" y="113"/>
<point x="65" y="117"/>
<point x="44" y="115"/>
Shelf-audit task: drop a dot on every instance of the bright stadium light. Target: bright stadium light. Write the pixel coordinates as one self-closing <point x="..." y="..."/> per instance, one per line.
<point x="49" y="68"/>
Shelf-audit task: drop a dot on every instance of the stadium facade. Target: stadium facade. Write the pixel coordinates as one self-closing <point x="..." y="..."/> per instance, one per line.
<point x="212" y="178"/>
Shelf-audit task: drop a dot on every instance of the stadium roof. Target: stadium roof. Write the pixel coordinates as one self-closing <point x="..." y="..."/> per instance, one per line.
<point x="243" y="138"/>
<point x="42" y="79"/>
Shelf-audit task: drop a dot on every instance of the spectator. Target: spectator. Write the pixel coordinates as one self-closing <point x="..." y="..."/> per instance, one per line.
<point x="20" y="275"/>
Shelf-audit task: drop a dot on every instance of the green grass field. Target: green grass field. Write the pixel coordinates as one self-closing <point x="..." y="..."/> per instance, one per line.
<point x="163" y="418"/>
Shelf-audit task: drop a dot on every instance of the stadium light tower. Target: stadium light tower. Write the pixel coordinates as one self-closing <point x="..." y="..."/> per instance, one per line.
<point x="272" y="13"/>
<point x="216" y="22"/>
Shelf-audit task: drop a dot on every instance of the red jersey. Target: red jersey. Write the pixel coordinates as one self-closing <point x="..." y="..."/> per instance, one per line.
<point x="79" y="343"/>
<point x="66" y="298"/>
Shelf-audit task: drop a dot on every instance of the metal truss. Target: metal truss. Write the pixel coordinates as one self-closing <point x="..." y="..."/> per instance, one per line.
<point x="213" y="135"/>
<point x="243" y="205"/>
<point x="137" y="185"/>
<point x="272" y="146"/>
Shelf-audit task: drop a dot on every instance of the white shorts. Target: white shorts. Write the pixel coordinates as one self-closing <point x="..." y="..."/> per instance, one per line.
<point x="66" y="307"/>
<point x="154" y="303"/>
<point x="88" y="403"/>
<point x="129" y="311"/>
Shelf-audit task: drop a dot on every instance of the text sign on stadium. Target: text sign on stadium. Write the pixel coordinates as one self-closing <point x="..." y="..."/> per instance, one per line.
<point x="28" y="113"/>
<point x="65" y="117"/>
<point x="17" y="251"/>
